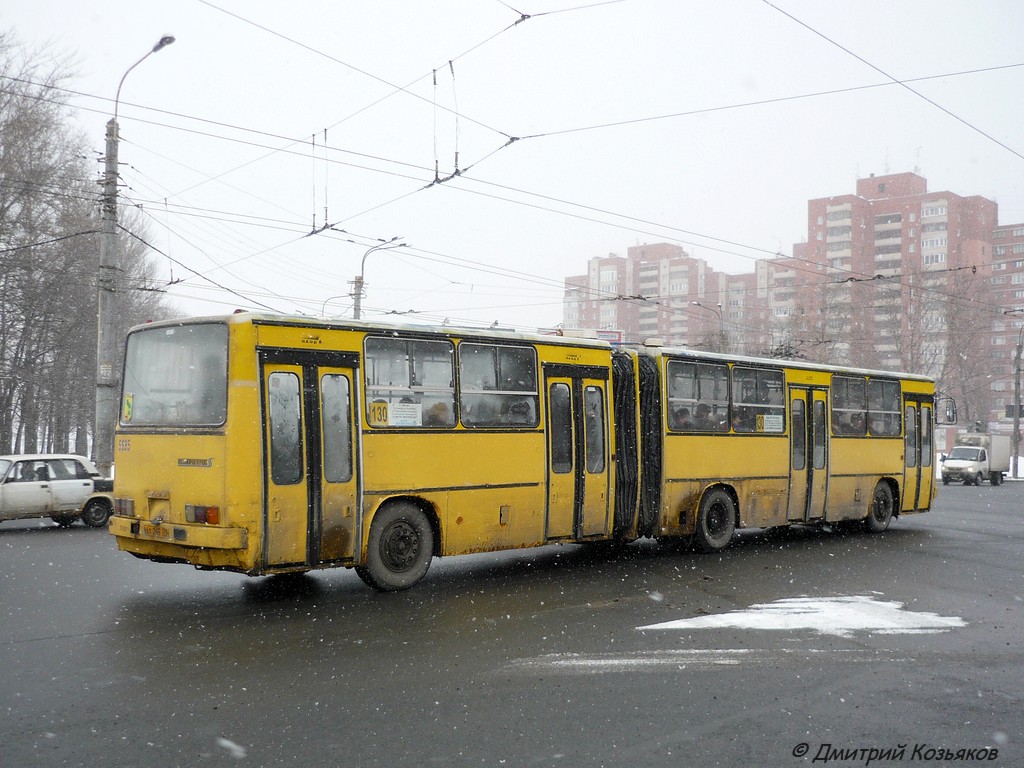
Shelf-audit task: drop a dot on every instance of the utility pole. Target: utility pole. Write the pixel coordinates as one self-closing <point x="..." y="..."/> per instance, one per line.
<point x="107" y="384"/>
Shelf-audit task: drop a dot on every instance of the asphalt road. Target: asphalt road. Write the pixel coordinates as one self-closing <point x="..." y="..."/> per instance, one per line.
<point x="791" y="645"/>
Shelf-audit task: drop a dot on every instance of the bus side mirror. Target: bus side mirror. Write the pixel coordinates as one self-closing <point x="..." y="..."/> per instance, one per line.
<point x="945" y="411"/>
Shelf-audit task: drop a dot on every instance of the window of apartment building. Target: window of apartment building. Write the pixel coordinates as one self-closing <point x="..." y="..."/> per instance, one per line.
<point x="840" y="215"/>
<point x="998" y="266"/>
<point x="820" y="220"/>
<point x="934" y="258"/>
<point x="1018" y="248"/>
<point x="1017" y="278"/>
<point x="842" y="245"/>
<point x="998" y="280"/>
<point x="883" y="249"/>
<point x="912" y="218"/>
<point x="890" y="218"/>
<point x="1018" y="264"/>
<point x="936" y="242"/>
<point x="934" y="210"/>
<point x="999" y="234"/>
<point x="1018" y="294"/>
<point x="1019" y="232"/>
<point x="999" y="250"/>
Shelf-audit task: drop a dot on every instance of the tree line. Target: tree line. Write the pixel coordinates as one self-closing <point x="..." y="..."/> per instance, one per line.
<point x="49" y="258"/>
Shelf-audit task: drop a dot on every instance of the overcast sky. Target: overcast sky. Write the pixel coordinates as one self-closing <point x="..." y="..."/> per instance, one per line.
<point x="579" y="128"/>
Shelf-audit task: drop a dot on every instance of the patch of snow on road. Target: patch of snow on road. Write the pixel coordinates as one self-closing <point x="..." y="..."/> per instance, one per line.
<point x="839" y="616"/>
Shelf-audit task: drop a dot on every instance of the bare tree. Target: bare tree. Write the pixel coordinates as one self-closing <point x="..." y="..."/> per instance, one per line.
<point x="49" y="256"/>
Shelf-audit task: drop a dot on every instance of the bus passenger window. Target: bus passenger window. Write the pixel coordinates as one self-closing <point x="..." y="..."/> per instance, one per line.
<point x="698" y="396"/>
<point x="884" y="408"/>
<point x="849" y="405"/>
<point x="410" y="382"/>
<point x="285" y="415"/>
<point x="757" y="400"/>
<point x="497" y="385"/>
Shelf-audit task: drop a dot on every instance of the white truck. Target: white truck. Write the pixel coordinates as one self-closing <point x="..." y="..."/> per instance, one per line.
<point x="977" y="456"/>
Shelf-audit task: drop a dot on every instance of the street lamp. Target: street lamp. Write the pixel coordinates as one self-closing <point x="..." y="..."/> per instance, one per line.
<point x="323" y="307"/>
<point x="721" y="323"/>
<point x="357" y="283"/>
<point x="106" y="292"/>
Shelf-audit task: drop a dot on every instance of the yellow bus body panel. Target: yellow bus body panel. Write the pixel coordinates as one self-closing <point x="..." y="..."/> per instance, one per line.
<point x="484" y="492"/>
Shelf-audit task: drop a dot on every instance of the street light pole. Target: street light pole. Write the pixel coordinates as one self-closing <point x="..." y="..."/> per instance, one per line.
<point x="357" y="282"/>
<point x="107" y="383"/>
<point x="721" y="323"/>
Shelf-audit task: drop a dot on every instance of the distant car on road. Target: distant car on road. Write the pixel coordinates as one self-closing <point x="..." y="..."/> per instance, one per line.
<point x="60" y="486"/>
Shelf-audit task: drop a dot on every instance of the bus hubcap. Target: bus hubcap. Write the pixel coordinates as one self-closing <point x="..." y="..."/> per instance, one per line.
<point x="399" y="546"/>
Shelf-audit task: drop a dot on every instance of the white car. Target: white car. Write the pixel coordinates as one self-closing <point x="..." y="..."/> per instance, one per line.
<point x="62" y="487"/>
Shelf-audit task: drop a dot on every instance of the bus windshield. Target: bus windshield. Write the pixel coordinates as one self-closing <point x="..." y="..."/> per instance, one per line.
<point x="176" y="376"/>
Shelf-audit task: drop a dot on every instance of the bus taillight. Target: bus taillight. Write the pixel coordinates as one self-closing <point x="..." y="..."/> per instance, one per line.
<point x="199" y="513"/>
<point x="124" y="507"/>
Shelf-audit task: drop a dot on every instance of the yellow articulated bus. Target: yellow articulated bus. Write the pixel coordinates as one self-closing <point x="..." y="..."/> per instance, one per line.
<point x="763" y="443"/>
<point x="264" y="444"/>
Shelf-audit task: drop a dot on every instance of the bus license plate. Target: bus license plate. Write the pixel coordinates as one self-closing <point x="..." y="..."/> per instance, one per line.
<point x="150" y="531"/>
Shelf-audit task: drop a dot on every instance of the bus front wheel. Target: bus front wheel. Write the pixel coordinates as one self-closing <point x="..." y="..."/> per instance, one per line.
<point x="399" y="550"/>
<point x="716" y="521"/>
<point x="880" y="514"/>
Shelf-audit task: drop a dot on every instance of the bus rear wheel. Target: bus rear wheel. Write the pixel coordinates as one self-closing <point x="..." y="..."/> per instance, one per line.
<point x="882" y="507"/>
<point x="399" y="550"/>
<point x="716" y="521"/>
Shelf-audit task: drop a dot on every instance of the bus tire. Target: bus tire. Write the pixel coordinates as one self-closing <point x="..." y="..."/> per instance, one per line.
<point x="882" y="507"/>
<point x="716" y="521"/>
<point x="400" y="548"/>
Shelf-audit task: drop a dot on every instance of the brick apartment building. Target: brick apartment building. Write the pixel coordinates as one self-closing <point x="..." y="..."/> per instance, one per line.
<point x="892" y="277"/>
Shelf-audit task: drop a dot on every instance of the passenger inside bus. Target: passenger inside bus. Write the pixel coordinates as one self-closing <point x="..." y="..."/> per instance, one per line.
<point x="681" y="419"/>
<point x="704" y="420"/>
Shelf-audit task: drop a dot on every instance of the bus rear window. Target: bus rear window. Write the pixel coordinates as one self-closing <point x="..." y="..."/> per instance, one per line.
<point x="176" y="376"/>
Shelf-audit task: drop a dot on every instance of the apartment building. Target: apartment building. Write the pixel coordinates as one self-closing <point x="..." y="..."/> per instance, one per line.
<point x="892" y="276"/>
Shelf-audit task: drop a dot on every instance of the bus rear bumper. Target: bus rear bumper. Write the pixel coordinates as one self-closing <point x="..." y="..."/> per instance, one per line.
<point x="196" y="535"/>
